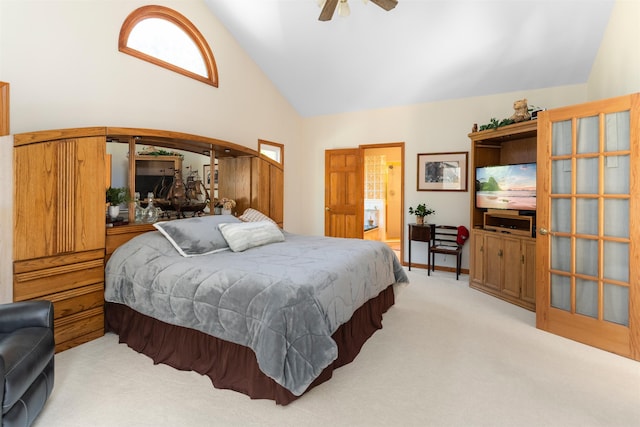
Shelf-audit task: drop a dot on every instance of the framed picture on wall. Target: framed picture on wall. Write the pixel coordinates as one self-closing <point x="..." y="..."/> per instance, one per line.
<point x="206" y="173"/>
<point x="442" y="171"/>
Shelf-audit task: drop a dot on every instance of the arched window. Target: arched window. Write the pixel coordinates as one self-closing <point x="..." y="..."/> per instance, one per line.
<point x="164" y="37"/>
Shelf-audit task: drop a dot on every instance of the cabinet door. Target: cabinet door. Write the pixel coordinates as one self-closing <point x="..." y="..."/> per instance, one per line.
<point x="243" y="184"/>
<point x="512" y="267"/>
<point x="528" y="262"/>
<point x="477" y="267"/>
<point x="260" y="185"/>
<point x="234" y="181"/>
<point x="226" y="174"/>
<point x="59" y="197"/>
<point x="494" y="256"/>
<point x="267" y="186"/>
<point x="276" y="196"/>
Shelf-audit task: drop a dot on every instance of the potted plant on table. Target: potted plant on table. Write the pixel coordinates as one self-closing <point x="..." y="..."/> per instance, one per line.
<point x="226" y="205"/>
<point x="420" y="212"/>
<point x="115" y="197"/>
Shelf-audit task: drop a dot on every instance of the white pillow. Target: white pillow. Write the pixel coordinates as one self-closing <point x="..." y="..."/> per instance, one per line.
<point x="245" y="235"/>
<point x="254" y="215"/>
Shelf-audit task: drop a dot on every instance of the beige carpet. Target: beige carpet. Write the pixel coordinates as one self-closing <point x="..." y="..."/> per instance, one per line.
<point x="447" y="356"/>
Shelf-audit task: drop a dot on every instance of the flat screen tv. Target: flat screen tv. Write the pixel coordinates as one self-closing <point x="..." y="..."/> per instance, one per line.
<point x="506" y="187"/>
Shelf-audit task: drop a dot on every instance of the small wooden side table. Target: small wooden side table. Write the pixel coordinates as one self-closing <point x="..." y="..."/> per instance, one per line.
<point x="421" y="233"/>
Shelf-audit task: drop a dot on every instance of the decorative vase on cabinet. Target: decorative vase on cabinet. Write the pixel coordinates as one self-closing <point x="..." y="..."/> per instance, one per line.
<point x="114" y="211"/>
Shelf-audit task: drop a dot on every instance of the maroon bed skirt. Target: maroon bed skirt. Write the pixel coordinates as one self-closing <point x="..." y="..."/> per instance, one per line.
<point x="229" y="365"/>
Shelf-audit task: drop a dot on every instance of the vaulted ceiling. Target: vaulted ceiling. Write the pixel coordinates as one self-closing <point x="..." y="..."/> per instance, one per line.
<point x="420" y="51"/>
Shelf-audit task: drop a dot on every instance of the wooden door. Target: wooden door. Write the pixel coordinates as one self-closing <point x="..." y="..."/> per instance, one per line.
<point x="588" y="199"/>
<point x="344" y="201"/>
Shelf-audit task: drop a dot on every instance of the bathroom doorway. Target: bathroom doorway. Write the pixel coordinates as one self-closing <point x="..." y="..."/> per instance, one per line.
<point x="384" y="194"/>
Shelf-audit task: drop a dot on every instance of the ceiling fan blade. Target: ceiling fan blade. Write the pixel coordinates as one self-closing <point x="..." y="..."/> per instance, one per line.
<point x="327" y="10"/>
<point x="386" y="4"/>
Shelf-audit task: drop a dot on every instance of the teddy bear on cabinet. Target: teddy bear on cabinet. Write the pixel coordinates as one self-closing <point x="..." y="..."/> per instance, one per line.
<point x="521" y="113"/>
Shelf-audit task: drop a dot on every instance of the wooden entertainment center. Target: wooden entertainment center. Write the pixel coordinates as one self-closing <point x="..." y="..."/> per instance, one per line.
<point x="503" y="242"/>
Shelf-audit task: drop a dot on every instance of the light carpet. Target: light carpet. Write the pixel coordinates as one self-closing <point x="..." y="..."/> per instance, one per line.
<point x="447" y="356"/>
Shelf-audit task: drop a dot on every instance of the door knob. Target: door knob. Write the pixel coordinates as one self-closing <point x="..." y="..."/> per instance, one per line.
<point x="543" y="231"/>
<point x="327" y="208"/>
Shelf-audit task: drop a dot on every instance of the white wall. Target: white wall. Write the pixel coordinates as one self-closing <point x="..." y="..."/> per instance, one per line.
<point x="65" y="70"/>
<point x="616" y="70"/>
<point x="424" y="128"/>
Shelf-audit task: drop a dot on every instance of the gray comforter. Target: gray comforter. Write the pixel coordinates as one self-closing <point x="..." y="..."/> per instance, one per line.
<point x="283" y="300"/>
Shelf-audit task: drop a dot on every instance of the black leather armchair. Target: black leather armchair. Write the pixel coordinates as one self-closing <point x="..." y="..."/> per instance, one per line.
<point x="27" y="350"/>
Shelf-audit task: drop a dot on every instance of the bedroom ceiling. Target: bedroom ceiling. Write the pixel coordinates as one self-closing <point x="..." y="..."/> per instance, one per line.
<point x="420" y="51"/>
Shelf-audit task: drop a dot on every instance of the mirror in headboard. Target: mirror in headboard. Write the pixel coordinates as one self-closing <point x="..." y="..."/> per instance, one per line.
<point x="117" y="164"/>
<point x="154" y="157"/>
<point x="172" y="177"/>
<point x="161" y="172"/>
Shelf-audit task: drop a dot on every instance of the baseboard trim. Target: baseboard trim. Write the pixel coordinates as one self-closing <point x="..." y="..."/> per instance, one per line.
<point x="437" y="267"/>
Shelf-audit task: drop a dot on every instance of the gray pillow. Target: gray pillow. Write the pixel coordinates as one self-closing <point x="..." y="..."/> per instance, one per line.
<point x="196" y="236"/>
<point x="247" y="235"/>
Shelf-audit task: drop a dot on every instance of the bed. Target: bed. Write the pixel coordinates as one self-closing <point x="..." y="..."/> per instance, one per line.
<point x="259" y="310"/>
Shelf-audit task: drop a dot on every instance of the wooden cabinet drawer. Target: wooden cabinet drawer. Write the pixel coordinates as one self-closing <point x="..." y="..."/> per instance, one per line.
<point x="77" y="300"/>
<point x="116" y="236"/>
<point x="78" y="315"/>
<point x="79" y="328"/>
<point x="36" y="284"/>
<point x="74" y="282"/>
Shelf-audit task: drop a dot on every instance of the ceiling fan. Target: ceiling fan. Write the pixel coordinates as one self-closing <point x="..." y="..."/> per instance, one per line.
<point x="329" y="7"/>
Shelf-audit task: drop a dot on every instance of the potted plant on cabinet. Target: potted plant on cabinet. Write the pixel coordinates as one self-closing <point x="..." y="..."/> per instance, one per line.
<point x="226" y="205"/>
<point x="115" y="197"/>
<point x="420" y="212"/>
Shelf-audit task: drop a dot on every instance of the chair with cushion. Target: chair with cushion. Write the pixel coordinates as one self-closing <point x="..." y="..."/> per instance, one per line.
<point x="27" y="350"/>
<point x="448" y="240"/>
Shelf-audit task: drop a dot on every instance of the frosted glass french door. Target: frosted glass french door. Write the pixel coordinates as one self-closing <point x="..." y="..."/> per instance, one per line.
<point x="587" y="272"/>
